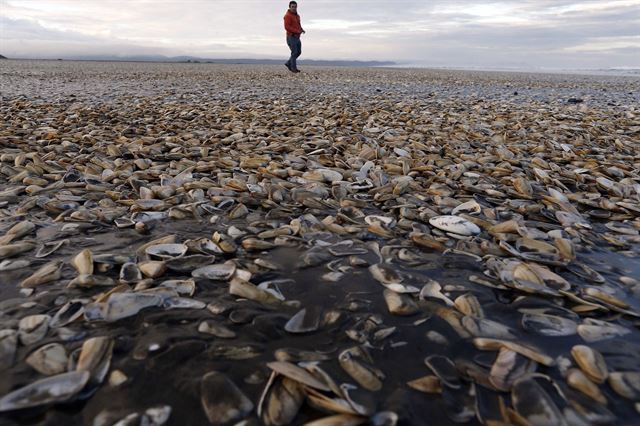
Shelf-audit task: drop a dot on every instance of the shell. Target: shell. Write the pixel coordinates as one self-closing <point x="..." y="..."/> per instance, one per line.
<point x="455" y="224"/>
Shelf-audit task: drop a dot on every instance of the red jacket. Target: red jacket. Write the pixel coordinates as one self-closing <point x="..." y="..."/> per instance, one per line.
<point x="292" y="24"/>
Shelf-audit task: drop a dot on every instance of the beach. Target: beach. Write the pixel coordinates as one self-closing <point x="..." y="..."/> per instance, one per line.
<point x="213" y="244"/>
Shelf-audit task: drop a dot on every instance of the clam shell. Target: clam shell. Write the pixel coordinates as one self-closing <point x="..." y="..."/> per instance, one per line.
<point x="367" y="376"/>
<point x="83" y="262"/>
<point x="223" y="402"/>
<point x="48" y="359"/>
<point x="166" y="251"/>
<point x="218" y="272"/>
<point x="298" y="374"/>
<point x="58" y="388"/>
<point x="33" y="328"/>
<point x="444" y="369"/>
<point x="591" y="362"/>
<point x="455" y="224"/>
<point x="8" y="347"/>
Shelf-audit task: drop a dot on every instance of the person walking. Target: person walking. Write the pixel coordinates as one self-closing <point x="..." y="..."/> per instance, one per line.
<point x="294" y="30"/>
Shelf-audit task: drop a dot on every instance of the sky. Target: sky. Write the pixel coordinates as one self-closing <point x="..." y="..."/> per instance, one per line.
<point x="471" y="33"/>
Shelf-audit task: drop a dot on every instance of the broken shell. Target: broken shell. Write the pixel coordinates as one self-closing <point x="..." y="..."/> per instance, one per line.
<point x="426" y="384"/>
<point x="399" y="304"/>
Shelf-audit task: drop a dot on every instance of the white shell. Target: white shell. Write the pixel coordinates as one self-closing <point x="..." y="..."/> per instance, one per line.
<point x="455" y="225"/>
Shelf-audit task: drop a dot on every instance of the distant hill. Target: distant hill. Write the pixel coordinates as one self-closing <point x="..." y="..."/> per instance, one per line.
<point x="3" y="57"/>
<point x="193" y="59"/>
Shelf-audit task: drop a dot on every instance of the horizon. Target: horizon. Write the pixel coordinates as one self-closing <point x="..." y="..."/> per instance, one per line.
<point x="523" y="34"/>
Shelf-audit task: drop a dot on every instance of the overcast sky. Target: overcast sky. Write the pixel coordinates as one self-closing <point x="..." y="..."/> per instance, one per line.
<point x="526" y="33"/>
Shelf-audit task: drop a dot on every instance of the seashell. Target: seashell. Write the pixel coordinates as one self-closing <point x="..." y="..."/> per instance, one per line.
<point x="484" y="343"/>
<point x="123" y="305"/>
<point x="298" y="374"/>
<point x="323" y="175"/>
<point x="130" y="273"/>
<point x="215" y="329"/>
<point x="70" y="312"/>
<point x="338" y="420"/>
<point x="242" y="288"/>
<point x="218" y="272"/>
<point x="223" y="402"/>
<point x="33" y="328"/>
<point x="399" y="304"/>
<point x="548" y="325"/>
<point x="433" y="290"/>
<point x="189" y="263"/>
<point x="47" y="273"/>
<point x="470" y="207"/>
<point x="166" y="251"/>
<point x="444" y="369"/>
<point x="54" y="389"/>
<point x="507" y="368"/>
<point x="468" y="304"/>
<point x="11" y="265"/>
<point x="152" y="268"/>
<point x="594" y="331"/>
<point x="90" y="281"/>
<point x="83" y="262"/>
<point x="116" y="378"/>
<point x="534" y="405"/>
<point x="254" y="244"/>
<point x="426" y="384"/>
<point x="389" y="278"/>
<point x="626" y="384"/>
<point x="482" y="327"/>
<point x="95" y="358"/>
<point x="455" y="224"/>
<point x="18" y="230"/>
<point x="280" y="401"/>
<point x="591" y="362"/>
<point x="367" y="376"/>
<point x="48" y="359"/>
<point x="10" y="250"/>
<point x="8" y="347"/>
<point x="305" y="321"/>
<point x="49" y="248"/>
<point x="578" y="381"/>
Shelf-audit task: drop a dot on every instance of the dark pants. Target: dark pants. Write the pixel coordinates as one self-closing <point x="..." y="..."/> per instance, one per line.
<point x="295" y="45"/>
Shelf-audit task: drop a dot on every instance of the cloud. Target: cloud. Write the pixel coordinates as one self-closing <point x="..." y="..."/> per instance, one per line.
<point x="546" y="32"/>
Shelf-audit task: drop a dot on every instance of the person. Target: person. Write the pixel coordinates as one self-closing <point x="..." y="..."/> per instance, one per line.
<point x="294" y="30"/>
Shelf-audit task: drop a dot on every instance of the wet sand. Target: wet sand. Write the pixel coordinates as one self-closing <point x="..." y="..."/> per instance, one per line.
<point x="253" y="144"/>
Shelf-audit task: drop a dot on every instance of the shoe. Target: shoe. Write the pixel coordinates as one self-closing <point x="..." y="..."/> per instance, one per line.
<point x="296" y="70"/>
<point x="288" y="66"/>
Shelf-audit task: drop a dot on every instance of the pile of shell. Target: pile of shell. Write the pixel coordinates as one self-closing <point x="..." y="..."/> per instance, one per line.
<point x="372" y="190"/>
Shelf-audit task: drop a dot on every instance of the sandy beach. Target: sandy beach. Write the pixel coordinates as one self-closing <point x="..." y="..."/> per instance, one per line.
<point x="235" y="244"/>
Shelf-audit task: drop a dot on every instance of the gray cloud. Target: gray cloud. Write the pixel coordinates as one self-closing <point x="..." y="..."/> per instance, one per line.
<point x="560" y="33"/>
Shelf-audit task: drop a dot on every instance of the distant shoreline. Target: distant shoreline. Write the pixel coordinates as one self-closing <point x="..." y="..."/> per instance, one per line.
<point x="240" y="61"/>
<point x="612" y="72"/>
